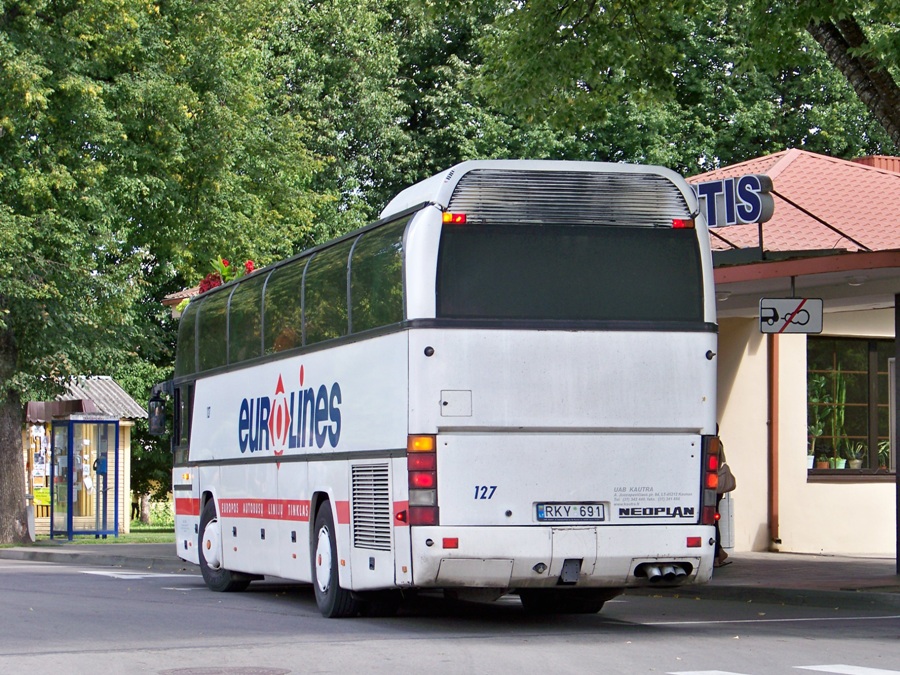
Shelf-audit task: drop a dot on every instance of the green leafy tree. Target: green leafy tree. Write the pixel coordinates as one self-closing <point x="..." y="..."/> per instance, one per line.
<point x="447" y="118"/>
<point x="135" y="138"/>
<point x="336" y="66"/>
<point x="724" y="80"/>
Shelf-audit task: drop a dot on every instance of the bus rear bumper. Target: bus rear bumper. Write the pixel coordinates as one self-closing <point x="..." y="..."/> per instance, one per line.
<point x="541" y="557"/>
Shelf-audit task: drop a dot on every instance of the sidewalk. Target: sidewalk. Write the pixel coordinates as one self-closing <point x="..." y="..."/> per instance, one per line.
<point x="802" y="579"/>
<point x="146" y="557"/>
<point x="784" y="578"/>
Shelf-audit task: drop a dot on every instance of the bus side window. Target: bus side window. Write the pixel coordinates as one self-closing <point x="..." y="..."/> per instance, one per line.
<point x="244" y="317"/>
<point x="176" y="419"/>
<point x="325" y="299"/>
<point x="185" y="404"/>
<point x="185" y="357"/>
<point x="213" y="332"/>
<point x="283" y="307"/>
<point x="376" y="278"/>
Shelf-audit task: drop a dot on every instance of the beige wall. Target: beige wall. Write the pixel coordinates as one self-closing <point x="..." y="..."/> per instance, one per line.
<point x="852" y="518"/>
<point x="742" y="427"/>
<point x="125" y="476"/>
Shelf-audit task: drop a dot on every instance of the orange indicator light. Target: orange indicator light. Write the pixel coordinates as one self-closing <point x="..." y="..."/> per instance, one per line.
<point x="454" y="218"/>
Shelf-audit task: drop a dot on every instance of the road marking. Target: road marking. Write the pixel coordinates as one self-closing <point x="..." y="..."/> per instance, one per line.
<point x="798" y="620"/>
<point x="839" y="669"/>
<point x="842" y="669"/>
<point x="131" y="575"/>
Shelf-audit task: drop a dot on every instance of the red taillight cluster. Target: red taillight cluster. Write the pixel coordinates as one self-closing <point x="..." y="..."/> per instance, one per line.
<point x="710" y="479"/>
<point x="421" y="464"/>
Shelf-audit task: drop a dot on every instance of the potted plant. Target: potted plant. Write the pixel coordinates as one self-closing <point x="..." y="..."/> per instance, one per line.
<point x="855" y="452"/>
<point x="884" y="454"/>
<point x="837" y="418"/>
<point x="818" y="412"/>
<point x="822" y="462"/>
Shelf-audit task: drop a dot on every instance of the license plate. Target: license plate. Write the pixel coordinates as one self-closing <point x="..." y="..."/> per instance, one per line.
<point x="555" y="511"/>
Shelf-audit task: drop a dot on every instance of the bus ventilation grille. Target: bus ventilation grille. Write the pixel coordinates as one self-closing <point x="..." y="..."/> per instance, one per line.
<point x="371" y="507"/>
<point x="574" y="198"/>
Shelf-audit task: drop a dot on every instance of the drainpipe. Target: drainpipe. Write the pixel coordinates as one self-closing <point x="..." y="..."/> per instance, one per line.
<point x="894" y="450"/>
<point x="772" y="454"/>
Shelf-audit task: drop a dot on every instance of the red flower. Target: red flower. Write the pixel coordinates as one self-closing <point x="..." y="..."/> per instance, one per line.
<point x="249" y="266"/>
<point x="224" y="262"/>
<point x="211" y="280"/>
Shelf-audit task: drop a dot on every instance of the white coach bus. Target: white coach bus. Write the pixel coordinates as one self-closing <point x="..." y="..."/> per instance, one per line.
<point x="506" y="384"/>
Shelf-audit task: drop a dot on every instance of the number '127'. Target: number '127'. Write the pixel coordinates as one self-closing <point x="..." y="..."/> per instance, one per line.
<point x="485" y="491"/>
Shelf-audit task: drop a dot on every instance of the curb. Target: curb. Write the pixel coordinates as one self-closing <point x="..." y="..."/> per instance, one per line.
<point x="805" y="597"/>
<point x="99" y="559"/>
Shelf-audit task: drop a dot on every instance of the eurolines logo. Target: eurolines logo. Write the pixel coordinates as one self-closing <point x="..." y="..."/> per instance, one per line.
<point x="301" y="418"/>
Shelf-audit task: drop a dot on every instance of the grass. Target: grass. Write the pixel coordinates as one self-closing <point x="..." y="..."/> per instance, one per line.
<point x="140" y="534"/>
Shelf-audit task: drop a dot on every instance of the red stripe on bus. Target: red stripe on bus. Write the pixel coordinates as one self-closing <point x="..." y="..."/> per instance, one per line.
<point x="265" y="509"/>
<point x="187" y="506"/>
<point x="343" y="512"/>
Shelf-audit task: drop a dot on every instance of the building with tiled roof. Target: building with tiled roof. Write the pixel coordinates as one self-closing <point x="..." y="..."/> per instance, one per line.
<point x="807" y="418"/>
<point x="821" y="203"/>
<point x="90" y="423"/>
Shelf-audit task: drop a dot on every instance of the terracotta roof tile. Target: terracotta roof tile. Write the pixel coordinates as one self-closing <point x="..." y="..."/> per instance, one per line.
<point x="175" y="298"/>
<point x="861" y="202"/>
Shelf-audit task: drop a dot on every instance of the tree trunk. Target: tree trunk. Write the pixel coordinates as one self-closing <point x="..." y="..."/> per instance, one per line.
<point x="13" y="519"/>
<point x="870" y="80"/>
<point x="145" y="509"/>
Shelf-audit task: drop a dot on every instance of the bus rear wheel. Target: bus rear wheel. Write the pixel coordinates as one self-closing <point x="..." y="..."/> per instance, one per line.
<point x="566" y="601"/>
<point x="217" y="578"/>
<point x="333" y="601"/>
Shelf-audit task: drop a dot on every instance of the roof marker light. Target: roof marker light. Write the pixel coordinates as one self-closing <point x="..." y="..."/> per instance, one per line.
<point x="454" y="218"/>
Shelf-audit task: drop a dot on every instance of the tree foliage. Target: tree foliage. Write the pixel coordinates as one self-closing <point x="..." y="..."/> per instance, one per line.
<point x="135" y="138"/>
<point x="729" y="80"/>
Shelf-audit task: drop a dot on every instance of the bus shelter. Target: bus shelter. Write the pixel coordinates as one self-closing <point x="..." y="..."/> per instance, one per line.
<point x="85" y="476"/>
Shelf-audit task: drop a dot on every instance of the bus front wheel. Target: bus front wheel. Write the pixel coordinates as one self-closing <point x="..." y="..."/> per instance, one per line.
<point x="333" y="601"/>
<point x="217" y="578"/>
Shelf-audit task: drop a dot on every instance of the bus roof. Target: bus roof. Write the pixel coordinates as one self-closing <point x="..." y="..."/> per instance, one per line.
<point x="438" y="189"/>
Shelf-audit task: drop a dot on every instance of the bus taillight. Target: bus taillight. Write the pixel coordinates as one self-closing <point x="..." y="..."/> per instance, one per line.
<point x="421" y="465"/>
<point x="683" y="223"/>
<point x="710" y="479"/>
<point x="454" y="218"/>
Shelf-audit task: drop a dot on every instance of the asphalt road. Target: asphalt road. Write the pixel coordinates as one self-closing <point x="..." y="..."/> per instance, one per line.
<point x="64" y="619"/>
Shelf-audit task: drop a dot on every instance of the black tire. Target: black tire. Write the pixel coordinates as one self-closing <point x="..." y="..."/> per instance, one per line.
<point x="217" y="578"/>
<point x="566" y="601"/>
<point x="334" y="602"/>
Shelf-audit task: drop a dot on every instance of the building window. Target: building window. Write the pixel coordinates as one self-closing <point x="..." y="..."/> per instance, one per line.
<point x="848" y="414"/>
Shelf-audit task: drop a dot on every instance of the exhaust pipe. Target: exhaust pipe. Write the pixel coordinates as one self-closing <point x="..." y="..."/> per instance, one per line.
<point x="668" y="572"/>
<point x="654" y="574"/>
